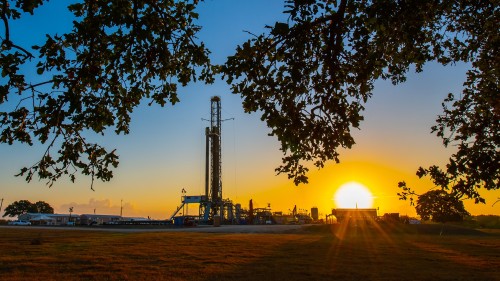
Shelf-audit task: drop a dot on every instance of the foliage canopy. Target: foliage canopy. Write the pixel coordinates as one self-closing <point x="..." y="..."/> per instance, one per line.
<point x="440" y="206"/>
<point x="312" y="75"/>
<point x="117" y="54"/>
<point x="309" y="76"/>
<point x="24" y="206"/>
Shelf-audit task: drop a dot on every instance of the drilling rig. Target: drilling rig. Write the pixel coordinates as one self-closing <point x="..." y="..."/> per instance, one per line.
<point x="213" y="164"/>
<point x="212" y="204"/>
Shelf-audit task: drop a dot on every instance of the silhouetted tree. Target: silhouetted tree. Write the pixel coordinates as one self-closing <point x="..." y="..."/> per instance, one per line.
<point x="118" y="54"/>
<point x="17" y="208"/>
<point x="310" y="77"/>
<point x="43" y="207"/>
<point x="440" y="206"/>
<point x="24" y="206"/>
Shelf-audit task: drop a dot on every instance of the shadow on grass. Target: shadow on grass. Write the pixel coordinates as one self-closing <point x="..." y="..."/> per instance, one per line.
<point x="323" y="252"/>
<point x="374" y="252"/>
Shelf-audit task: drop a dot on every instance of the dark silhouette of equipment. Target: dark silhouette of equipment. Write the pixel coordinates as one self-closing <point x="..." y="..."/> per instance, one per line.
<point x="212" y="204"/>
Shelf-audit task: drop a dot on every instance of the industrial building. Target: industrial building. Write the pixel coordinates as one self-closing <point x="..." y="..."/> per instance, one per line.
<point x="355" y="215"/>
<point x="49" y="219"/>
<point x="74" y="219"/>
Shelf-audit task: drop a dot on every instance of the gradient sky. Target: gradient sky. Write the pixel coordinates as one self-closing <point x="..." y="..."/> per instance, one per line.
<point x="164" y="152"/>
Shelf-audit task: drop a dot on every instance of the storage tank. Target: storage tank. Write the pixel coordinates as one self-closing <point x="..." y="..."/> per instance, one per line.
<point x="314" y="213"/>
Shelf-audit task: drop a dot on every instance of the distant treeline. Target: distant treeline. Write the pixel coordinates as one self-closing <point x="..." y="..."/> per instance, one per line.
<point x="482" y="221"/>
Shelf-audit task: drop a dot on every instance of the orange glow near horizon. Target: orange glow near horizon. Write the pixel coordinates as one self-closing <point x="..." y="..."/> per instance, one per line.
<point x="353" y="195"/>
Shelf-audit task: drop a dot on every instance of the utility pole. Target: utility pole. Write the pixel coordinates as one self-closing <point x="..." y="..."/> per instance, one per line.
<point x="1" y="203"/>
<point x="70" y="212"/>
<point x="121" y="208"/>
<point x="183" y="199"/>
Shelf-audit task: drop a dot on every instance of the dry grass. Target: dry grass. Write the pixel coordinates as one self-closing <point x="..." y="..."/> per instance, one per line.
<point x="320" y="253"/>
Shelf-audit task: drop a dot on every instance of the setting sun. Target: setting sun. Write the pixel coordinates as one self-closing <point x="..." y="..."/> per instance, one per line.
<point x="353" y="195"/>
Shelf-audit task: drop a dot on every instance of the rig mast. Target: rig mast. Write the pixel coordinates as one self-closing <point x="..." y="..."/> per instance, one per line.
<point x="212" y="205"/>
<point x="214" y="137"/>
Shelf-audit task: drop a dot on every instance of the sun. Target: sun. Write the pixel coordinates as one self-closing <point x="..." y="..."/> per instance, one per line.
<point x="353" y="195"/>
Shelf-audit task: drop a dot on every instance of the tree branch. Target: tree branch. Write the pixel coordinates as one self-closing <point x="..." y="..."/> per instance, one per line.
<point x="334" y="47"/>
<point x="28" y="54"/>
<point x="7" y="41"/>
<point x="33" y="86"/>
<point x="5" y="21"/>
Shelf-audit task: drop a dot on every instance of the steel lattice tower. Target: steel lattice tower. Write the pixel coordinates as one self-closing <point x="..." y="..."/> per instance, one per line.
<point x="215" y="191"/>
<point x="213" y="185"/>
<point x="212" y="206"/>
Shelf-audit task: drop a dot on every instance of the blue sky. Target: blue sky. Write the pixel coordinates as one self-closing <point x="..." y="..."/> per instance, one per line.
<point x="165" y="150"/>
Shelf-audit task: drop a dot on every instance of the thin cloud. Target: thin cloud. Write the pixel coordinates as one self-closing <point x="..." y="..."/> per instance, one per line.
<point x="104" y="207"/>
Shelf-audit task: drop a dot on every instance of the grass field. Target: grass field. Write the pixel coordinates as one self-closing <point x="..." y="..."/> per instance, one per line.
<point x="314" y="253"/>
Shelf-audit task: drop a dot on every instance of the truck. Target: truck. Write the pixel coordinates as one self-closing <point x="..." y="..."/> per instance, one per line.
<point x="18" y="222"/>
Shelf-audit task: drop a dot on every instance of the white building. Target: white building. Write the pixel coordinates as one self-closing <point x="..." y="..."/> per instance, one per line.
<point x="49" y="219"/>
